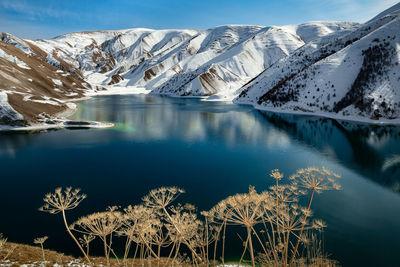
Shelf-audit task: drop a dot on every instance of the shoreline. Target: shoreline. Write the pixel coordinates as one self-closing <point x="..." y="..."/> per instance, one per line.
<point x="61" y="121"/>
<point x="60" y="124"/>
<point x="328" y="115"/>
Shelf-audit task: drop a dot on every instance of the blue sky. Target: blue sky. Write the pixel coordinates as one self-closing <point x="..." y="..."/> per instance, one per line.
<point x="49" y="18"/>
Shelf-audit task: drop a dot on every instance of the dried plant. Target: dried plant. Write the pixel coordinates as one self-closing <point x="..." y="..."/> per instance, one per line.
<point x="159" y="199"/>
<point x="40" y="241"/>
<point x="6" y="252"/>
<point x="245" y="210"/>
<point x="85" y="241"/>
<point x="60" y="201"/>
<point x="101" y="224"/>
<point x="139" y="226"/>
<point x="278" y="210"/>
<point x="275" y="221"/>
<point x="3" y="242"/>
<point x="314" y="180"/>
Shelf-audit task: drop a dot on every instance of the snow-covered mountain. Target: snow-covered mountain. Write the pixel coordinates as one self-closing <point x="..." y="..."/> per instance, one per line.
<point x="355" y="75"/>
<point x="30" y="88"/>
<point x="218" y="61"/>
<point x="330" y="68"/>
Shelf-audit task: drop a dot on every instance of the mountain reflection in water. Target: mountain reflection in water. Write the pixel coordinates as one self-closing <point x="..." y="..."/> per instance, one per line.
<point x="212" y="150"/>
<point x="371" y="150"/>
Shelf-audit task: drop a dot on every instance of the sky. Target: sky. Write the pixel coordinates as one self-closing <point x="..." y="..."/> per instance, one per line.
<point x="49" y="18"/>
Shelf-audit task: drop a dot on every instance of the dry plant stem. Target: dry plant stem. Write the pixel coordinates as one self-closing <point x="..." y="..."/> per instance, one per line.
<point x="176" y="252"/>
<point x="259" y="240"/>
<point x="244" y="250"/>
<point x="206" y="256"/>
<point x="172" y="250"/>
<point x="115" y="255"/>
<point x="73" y="237"/>
<point x="109" y="246"/>
<point x="44" y="258"/>
<point x="223" y="244"/>
<point x="203" y="254"/>
<point x="105" y="251"/>
<point x="141" y="253"/>
<point x="108" y="250"/>
<point x="277" y="211"/>
<point x="148" y="247"/>
<point x="9" y="252"/>
<point x="136" y="250"/>
<point x="302" y="229"/>
<point x="127" y="248"/>
<point x="170" y="253"/>
<point x="251" y="246"/>
<point x="285" y="256"/>
<point x="177" y="228"/>
<point x="271" y="242"/>
<point x="216" y="243"/>
<point x="158" y="255"/>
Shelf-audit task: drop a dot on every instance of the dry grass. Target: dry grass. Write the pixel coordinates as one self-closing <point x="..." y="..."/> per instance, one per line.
<point x="27" y="254"/>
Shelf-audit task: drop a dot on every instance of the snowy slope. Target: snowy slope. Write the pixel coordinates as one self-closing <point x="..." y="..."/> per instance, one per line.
<point x="31" y="90"/>
<point x="216" y="62"/>
<point x="354" y="76"/>
<point x="334" y="69"/>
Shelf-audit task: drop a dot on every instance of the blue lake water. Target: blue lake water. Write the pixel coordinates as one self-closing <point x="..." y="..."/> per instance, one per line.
<point x="212" y="150"/>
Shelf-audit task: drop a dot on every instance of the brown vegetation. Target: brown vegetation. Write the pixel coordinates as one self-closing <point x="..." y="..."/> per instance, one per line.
<point x="279" y="231"/>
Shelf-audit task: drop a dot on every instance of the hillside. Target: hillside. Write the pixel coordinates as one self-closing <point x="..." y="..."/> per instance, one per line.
<point x="334" y="69"/>
<point x="30" y="88"/>
<point x="354" y="76"/>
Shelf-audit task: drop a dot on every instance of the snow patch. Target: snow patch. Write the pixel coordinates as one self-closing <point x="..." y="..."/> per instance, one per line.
<point x="57" y="82"/>
<point x="6" y="111"/>
<point x="14" y="60"/>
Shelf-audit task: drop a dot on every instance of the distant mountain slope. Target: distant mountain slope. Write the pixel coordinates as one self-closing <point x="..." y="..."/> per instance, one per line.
<point x="39" y="77"/>
<point x="356" y="75"/>
<point x="334" y="69"/>
<point x="31" y="89"/>
<point x="217" y="61"/>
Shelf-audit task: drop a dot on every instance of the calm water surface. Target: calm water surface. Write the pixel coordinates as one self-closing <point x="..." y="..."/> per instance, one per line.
<point x="212" y="150"/>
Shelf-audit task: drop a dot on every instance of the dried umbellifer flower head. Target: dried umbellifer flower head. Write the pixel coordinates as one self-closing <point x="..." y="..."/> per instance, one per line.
<point x="61" y="201"/>
<point x="161" y="197"/>
<point x="316" y="179"/>
<point x="40" y="240"/>
<point x="99" y="223"/>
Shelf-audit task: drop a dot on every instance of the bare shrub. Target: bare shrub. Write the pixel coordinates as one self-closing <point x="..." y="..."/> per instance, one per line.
<point x="101" y="224"/>
<point x="85" y="241"/>
<point x="275" y="222"/>
<point x="60" y="201"/>
<point x="40" y="241"/>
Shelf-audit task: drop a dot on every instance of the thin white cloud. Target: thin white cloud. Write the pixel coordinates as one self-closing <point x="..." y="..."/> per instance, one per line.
<point x="35" y="11"/>
<point x="348" y="10"/>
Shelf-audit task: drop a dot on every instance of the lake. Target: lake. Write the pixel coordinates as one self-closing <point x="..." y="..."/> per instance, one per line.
<point x="212" y="150"/>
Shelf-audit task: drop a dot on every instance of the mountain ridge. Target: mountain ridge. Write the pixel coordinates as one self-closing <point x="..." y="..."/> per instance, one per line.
<point x="334" y="69"/>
